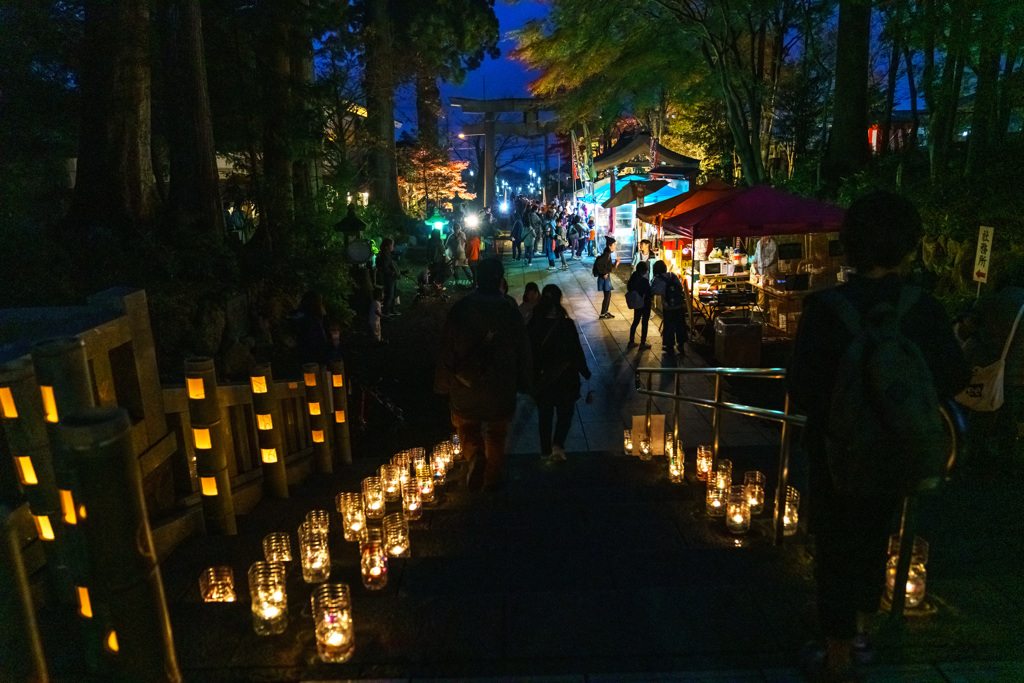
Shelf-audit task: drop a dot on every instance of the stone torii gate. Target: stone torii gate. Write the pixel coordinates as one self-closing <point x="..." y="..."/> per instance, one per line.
<point x="530" y="127"/>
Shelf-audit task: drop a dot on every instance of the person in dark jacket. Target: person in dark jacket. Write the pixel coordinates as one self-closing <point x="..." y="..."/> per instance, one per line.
<point x="603" y="267"/>
<point x="310" y="322"/>
<point x="387" y="274"/>
<point x="516" y="235"/>
<point x="880" y="232"/>
<point x="639" y="283"/>
<point x="484" y="361"/>
<point x="558" y="362"/>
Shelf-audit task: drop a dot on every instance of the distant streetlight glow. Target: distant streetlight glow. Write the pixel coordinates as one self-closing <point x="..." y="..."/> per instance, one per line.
<point x="504" y="207"/>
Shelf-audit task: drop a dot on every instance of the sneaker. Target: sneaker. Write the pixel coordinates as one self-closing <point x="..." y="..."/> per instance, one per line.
<point x="607" y="315"/>
<point x="631" y="344"/>
<point x="558" y="454"/>
<point x="644" y="345"/>
<point x="552" y="268"/>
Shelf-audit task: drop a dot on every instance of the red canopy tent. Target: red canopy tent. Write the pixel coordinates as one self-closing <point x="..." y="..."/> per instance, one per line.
<point x="754" y="212"/>
<point x="711" y="191"/>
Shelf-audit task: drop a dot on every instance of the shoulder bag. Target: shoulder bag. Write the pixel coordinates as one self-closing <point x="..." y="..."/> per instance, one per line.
<point x="984" y="392"/>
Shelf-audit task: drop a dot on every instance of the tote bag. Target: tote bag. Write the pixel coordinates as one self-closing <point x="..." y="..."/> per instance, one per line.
<point x="984" y="392"/>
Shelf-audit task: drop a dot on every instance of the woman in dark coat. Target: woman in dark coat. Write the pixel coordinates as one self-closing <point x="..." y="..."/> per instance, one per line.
<point x="639" y="283"/>
<point x="558" y="364"/>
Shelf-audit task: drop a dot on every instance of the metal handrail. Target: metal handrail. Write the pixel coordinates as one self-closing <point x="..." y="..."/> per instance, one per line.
<point x="718" y="405"/>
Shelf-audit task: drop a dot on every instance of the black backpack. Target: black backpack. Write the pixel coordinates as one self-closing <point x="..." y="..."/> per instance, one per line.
<point x="672" y="299"/>
<point x="885" y="435"/>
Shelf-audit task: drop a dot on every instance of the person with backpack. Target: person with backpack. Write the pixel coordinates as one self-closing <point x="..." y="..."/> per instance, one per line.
<point x="602" y="270"/>
<point x="638" y="297"/>
<point x="670" y="288"/>
<point x="484" y="361"/>
<point x="871" y="362"/>
<point x="558" y="362"/>
<point x="516" y="235"/>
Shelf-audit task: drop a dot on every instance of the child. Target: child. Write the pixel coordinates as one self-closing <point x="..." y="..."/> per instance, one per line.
<point x="376" y="312"/>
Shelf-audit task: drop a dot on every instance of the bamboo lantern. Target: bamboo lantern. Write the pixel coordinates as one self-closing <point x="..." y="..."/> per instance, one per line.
<point x="317" y="408"/>
<point x="208" y="441"/>
<point x="123" y="574"/>
<point x="339" y="394"/>
<point x="267" y="410"/>
<point x="21" y="649"/>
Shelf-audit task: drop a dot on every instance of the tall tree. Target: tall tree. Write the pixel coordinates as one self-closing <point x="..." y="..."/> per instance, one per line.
<point x="379" y="85"/>
<point x="116" y="188"/>
<point x="194" y="191"/>
<point x="848" y="144"/>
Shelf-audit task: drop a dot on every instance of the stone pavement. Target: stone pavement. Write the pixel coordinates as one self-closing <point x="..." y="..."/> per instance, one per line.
<point x="599" y="569"/>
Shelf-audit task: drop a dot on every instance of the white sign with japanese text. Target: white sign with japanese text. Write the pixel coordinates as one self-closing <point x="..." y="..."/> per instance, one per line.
<point x="984" y="256"/>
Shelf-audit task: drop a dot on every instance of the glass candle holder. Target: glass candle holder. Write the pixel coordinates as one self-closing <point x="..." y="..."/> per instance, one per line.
<point x="313" y="551"/>
<point x="412" y="503"/>
<point x="425" y="479"/>
<point x="373" y="560"/>
<point x="320" y="519"/>
<point x="396" y="535"/>
<point x="269" y="598"/>
<point x="916" y="578"/>
<point x="723" y="473"/>
<point x="715" y="500"/>
<point x="402" y="462"/>
<point x="791" y="511"/>
<point x="676" y="466"/>
<point x="389" y="479"/>
<point x="704" y="459"/>
<point x="627" y="442"/>
<point x="438" y="468"/>
<point x="373" y="498"/>
<point x="645" y="447"/>
<point x="754" y="481"/>
<point x="332" y="622"/>
<point x="417" y="460"/>
<point x="217" y="584"/>
<point x="737" y="513"/>
<point x="456" y="446"/>
<point x="277" y="547"/>
<point x="353" y="516"/>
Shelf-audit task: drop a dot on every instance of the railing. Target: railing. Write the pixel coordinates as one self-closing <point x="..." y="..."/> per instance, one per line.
<point x="718" y="405"/>
<point x="908" y="526"/>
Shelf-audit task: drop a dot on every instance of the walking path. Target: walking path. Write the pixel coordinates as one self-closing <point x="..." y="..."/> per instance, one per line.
<point x="599" y="569"/>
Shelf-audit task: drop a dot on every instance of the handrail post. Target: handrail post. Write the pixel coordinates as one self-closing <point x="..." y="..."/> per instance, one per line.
<point x="650" y="405"/>
<point x="675" y="413"/>
<point x="716" y="422"/>
<point x="908" y="530"/>
<point x="783" y="479"/>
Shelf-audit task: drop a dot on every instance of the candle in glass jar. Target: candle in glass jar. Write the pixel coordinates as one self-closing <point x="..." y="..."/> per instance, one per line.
<point x="737" y="513"/>
<point x="676" y="465"/>
<point x="313" y="551"/>
<point x="627" y="442"/>
<point x="389" y="479"/>
<point x="373" y="498"/>
<point x="277" y="547"/>
<point x="645" y="447"/>
<point x="704" y="459"/>
<point x="353" y="516"/>
<point x="456" y="446"/>
<point x="320" y="519"/>
<point x="373" y="560"/>
<point x="269" y="599"/>
<point x="425" y="479"/>
<point x="916" y="577"/>
<point x="217" y="584"/>
<point x="412" y="504"/>
<point x="332" y="618"/>
<point x="396" y="535"/>
<point x="715" y="500"/>
<point x="439" y="469"/>
<point x="790" y="511"/>
<point x="754" y="481"/>
<point x="723" y="474"/>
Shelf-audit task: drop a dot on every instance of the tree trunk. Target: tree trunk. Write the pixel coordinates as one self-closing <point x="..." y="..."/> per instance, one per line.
<point x="304" y="167"/>
<point x="115" y="186"/>
<point x="848" y="150"/>
<point x="380" y="109"/>
<point x="885" y="130"/>
<point x="278" y="197"/>
<point x="428" y="109"/>
<point x="194" y="189"/>
<point x="984" y="121"/>
<point x="915" y="122"/>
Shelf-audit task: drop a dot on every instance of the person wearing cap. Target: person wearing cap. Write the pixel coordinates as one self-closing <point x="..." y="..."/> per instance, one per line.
<point x="603" y="267"/>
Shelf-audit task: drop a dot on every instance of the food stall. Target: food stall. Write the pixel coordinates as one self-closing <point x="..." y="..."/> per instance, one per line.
<point x="801" y="253"/>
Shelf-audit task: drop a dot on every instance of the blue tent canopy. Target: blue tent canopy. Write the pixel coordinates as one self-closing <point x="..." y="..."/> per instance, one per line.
<point x="603" y="191"/>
